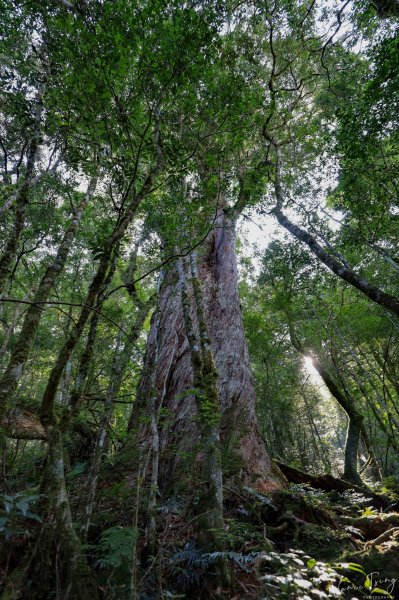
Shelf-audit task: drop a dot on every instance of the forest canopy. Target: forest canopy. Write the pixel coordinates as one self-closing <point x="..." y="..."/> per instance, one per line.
<point x="199" y="299"/>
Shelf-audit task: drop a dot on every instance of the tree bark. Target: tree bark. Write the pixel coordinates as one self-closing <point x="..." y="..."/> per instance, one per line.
<point x="352" y="442"/>
<point x="205" y="379"/>
<point x="21" y="351"/>
<point x="179" y="433"/>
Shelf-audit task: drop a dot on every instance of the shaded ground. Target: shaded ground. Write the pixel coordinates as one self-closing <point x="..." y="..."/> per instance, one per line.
<point x="300" y="543"/>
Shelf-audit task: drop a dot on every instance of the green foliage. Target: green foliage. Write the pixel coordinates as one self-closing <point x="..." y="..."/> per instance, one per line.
<point x="231" y="460"/>
<point x="242" y="534"/>
<point x="190" y="565"/>
<point x="390" y="484"/>
<point x="77" y="470"/>
<point x="115" y="547"/>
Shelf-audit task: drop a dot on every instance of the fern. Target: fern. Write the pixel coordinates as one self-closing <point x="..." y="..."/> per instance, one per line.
<point x="116" y="547"/>
<point x="191" y="564"/>
<point x="241" y="560"/>
<point x="173" y="506"/>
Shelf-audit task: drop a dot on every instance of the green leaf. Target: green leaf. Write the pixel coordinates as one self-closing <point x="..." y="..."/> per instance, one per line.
<point x="311" y="563"/>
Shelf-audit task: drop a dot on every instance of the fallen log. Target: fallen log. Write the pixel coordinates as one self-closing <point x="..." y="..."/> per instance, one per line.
<point x="329" y="483"/>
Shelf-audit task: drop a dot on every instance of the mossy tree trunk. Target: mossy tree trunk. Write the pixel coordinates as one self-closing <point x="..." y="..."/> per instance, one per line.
<point x="205" y="380"/>
<point x="93" y="292"/>
<point x="22" y="195"/>
<point x="243" y="451"/>
<point x="120" y="363"/>
<point x="86" y="357"/>
<point x="58" y="531"/>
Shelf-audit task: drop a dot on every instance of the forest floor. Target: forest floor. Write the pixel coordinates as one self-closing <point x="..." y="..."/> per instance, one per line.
<point x="300" y="543"/>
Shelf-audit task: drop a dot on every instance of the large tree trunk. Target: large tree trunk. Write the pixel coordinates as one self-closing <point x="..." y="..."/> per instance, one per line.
<point x="179" y="431"/>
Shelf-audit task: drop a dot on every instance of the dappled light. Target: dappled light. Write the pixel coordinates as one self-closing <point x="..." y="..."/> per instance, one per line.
<point x="308" y="362"/>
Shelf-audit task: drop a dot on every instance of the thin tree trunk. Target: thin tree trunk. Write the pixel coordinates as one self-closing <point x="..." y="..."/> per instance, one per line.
<point x="371" y="370"/>
<point x="87" y="354"/>
<point x="373" y="465"/>
<point x="152" y="408"/>
<point x="21" y="350"/>
<point x="372" y="292"/>
<point x="101" y="437"/>
<point x="355" y="418"/>
<point x="352" y="374"/>
<point x="352" y="441"/>
<point x="393" y="422"/>
<point x="9" y="328"/>
<point x="315" y="433"/>
<point x="119" y="366"/>
<point x="63" y="397"/>
<point x="22" y="197"/>
<point x="92" y="294"/>
<point x="57" y="529"/>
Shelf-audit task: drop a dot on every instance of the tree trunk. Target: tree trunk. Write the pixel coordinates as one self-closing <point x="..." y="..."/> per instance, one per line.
<point x="23" y="194"/>
<point x="242" y="445"/>
<point x="92" y="294"/>
<point x="352" y="441"/>
<point x="340" y="269"/>
<point x="205" y="379"/>
<point x="21" y="350"/>
<point x="119" y="366"/>
<point x="330" y="483"/>
<point x="355" y="423"/>
<point x="87" y="354"/>
<point x="57" y="530"/>
<point x="372" y="292"/>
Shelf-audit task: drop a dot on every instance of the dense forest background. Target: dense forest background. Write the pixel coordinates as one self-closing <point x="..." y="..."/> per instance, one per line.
<point x="199" y="299"/>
